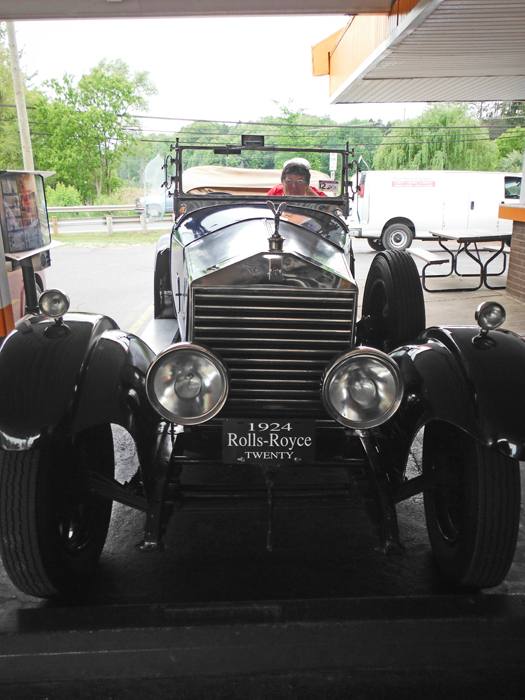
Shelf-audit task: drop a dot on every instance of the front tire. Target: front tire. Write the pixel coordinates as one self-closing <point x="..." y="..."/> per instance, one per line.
<point x="52" y="529"/>
<point x="393" y="302"/>
<point x="473" y="514"/>
<point x="397" y="237"/>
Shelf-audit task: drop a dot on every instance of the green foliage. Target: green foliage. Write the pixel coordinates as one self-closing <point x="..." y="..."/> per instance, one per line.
<point x="138" y="155"/>
<point x="442" y="138"/>
<point x="87" y="128"/>
<point x="511" y="140"/>
<point x="513" y="112"/>
<point x="292" y="128"/>
<point x="63" y="196"/>
<point x="512" y="163"/>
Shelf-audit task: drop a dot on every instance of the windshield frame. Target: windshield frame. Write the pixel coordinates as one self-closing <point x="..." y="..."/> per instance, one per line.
<point x="184" y="203"/>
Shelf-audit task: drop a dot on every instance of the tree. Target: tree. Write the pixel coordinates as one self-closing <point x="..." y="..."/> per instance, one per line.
<point x="444" y="137"/>
<point x="513" y="112"/>
<point x="63" y="196"/>
<point x="139" y="154"/>
<point x="512" y="140"/>
<point x="88" y="127"/>
<point x="293" y="128"/>
<point x="512" y="163"/>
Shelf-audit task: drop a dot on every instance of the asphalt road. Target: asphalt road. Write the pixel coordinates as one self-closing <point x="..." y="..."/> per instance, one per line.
<point x="116" y="281"/>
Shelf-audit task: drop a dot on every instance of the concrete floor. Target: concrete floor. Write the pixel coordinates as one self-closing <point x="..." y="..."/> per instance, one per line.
<point x="221" y="557"/>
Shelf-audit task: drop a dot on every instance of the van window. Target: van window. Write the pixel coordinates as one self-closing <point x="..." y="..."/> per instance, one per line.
<point x="512" y="187"/>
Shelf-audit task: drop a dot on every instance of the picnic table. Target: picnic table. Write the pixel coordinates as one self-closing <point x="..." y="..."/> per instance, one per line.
<point x="470" y="244"/>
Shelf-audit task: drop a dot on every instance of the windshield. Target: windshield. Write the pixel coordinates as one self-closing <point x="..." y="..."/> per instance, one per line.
<point x="311" y="178"/>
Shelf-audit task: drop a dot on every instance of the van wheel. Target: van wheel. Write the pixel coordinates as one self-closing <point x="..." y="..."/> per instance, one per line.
<point x="375" y="244"/>
<point x="397" y="237"/>
<point x="393" y="302"/>
<point x="473" y="513"/>
<point x="52" y="528"/>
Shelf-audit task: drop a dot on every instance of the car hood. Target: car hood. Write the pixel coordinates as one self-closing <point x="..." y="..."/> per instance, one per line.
<point x="239" y="254"/>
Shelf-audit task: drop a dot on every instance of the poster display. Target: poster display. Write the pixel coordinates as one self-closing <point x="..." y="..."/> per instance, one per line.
<point x="23" y="212"/>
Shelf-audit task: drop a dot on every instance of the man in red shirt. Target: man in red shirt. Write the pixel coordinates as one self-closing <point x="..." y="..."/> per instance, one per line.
<point x="295" y="181"/>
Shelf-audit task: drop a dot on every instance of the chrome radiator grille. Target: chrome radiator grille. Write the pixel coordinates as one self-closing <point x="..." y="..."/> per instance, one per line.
<point x="275" y="343"/>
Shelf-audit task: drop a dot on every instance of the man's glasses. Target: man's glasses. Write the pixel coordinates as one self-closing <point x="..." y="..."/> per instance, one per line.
<point x="295" y="182"/>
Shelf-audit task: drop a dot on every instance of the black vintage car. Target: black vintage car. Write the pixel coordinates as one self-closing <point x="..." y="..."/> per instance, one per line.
<point x="262" y="365"/>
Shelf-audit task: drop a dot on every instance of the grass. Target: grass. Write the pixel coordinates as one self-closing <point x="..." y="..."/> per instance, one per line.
<point x="102" y="240"/>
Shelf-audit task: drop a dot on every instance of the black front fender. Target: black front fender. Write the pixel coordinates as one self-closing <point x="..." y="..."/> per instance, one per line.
<point x="56" y="380"/>
<point x="472" y="381"/>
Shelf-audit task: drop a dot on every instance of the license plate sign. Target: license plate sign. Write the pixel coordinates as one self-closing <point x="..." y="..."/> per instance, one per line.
<point x="268" y="442"/>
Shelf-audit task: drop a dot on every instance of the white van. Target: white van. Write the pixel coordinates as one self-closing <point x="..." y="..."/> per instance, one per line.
<point x="392" y="207"/>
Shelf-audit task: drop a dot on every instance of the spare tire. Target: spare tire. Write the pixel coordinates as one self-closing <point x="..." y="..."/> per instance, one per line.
<point x="393" y="302"/>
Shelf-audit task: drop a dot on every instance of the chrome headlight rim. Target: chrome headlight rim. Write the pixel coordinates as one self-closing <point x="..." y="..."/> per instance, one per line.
<point x="485" y="311"/>
<point x="60" y="301"/>
<point x="364" y="353"/>
<point x="198" y="350"/>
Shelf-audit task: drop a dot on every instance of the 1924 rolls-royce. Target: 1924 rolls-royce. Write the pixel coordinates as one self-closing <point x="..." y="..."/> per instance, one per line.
<point x="264" y="367"/>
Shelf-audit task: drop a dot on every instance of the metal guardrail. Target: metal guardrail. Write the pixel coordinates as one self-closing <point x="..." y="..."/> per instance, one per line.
<point x="107" y="220"/>
<point x="92" y="207"/>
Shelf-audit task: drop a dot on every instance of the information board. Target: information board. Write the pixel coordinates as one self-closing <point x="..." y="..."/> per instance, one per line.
<point x="23" y="212"/>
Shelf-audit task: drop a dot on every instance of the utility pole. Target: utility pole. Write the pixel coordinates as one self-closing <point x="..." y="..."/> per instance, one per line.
<point x="20" y="101"/>
<point x="6" y="309"/>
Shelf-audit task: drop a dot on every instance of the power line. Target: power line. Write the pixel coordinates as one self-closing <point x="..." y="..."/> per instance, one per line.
<point x="281" y="125"/>
<point x="390" y="143"/>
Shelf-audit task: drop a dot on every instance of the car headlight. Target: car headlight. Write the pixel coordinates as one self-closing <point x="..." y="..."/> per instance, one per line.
<point x="490" y="315"/>
<point x="187" y="384"/>
<point x="362" y="388"/>
<point x="53" y="303"/>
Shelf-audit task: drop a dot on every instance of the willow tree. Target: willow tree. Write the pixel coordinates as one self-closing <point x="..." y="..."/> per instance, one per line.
<point x="512" y="140"/>
<point x="444" y="137"/>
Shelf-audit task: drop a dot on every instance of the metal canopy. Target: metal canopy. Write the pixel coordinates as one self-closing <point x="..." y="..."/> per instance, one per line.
<point x="106" y="9"/>
<point x="446" y="51"/>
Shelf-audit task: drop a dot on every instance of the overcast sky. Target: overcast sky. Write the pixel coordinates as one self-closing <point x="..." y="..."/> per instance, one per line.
<point x="218" y="69"/>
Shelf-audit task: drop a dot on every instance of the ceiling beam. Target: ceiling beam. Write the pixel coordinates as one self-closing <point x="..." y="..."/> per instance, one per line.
<point x="120" y="9"/>
<point x="442" y="51"/>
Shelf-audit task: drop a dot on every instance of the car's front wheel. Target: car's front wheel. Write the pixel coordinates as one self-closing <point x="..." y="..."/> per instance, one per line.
<point x="52" y="528"/>
<point x="473" y="511"/>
